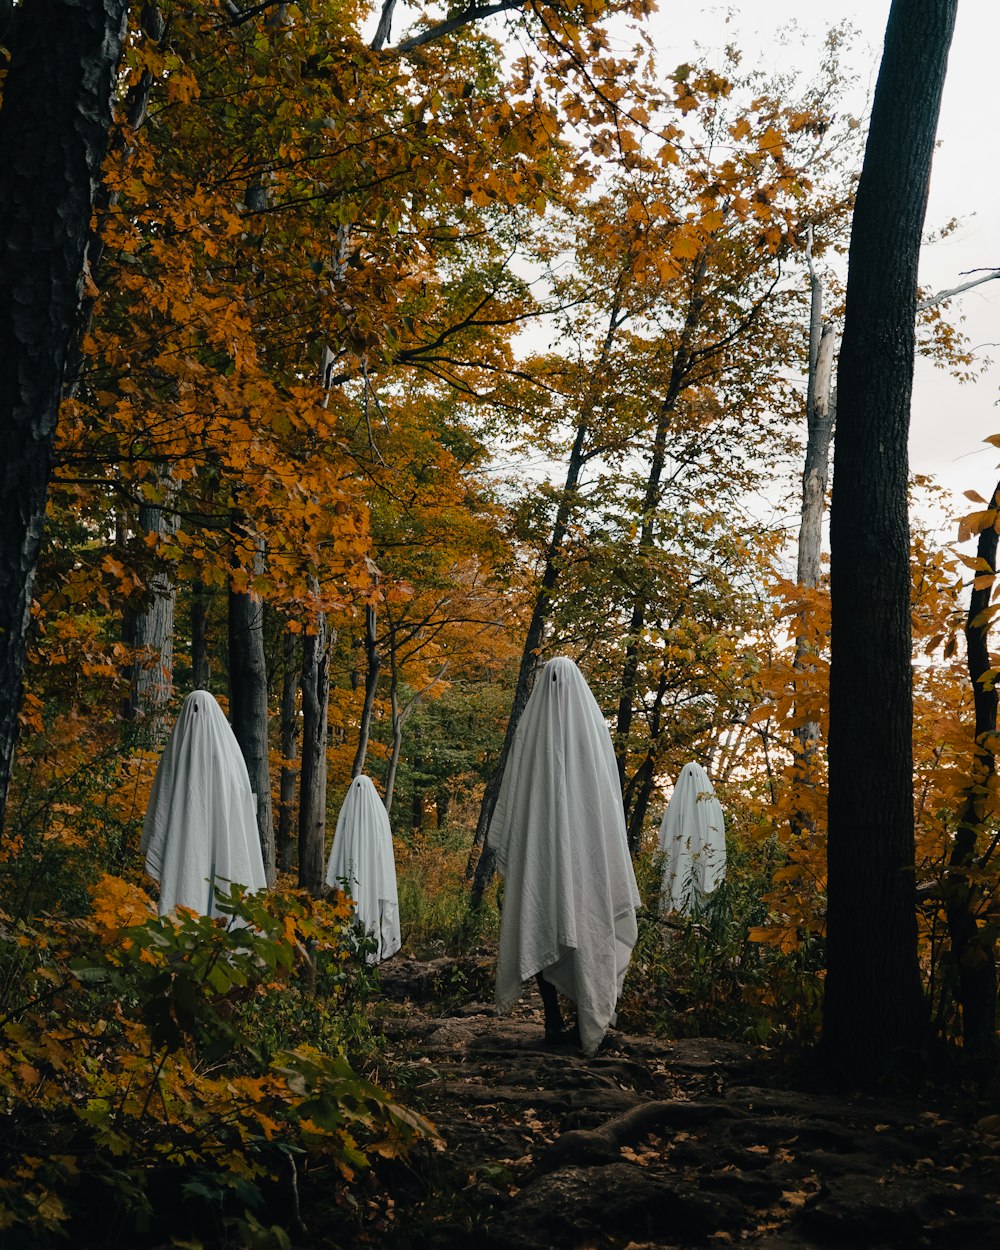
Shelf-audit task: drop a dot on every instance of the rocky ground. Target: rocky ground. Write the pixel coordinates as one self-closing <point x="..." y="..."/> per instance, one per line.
<point x="658" y="1143"/>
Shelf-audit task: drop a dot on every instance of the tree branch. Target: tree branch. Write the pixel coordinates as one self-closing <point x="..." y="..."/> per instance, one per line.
<point x="471" y="14"/>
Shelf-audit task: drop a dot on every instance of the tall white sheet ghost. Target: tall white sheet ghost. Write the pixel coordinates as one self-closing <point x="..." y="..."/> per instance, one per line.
<point x="693" y="842"/>
<point x="362" y="856"/>
<point x="201" y="823"/>
<point x="559" y="835"/>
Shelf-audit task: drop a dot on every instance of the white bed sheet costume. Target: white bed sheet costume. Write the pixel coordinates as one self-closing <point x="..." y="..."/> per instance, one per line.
<point x="558" y="831"/>
<point x="693" y="842"/>
<point x="201" y="821"/>
<point x="362" y="856"/>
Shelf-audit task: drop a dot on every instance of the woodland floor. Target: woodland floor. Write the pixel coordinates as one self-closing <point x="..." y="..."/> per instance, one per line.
<point x="655" y="1144"/>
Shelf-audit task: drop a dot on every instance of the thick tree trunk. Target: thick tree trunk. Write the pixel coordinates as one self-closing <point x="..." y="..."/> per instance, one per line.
<point x="201" y="671"/>
<point x="973" y="953"/>
<point x="289" y="750"/>
<point x="150" y="634"/>
<point x="373" y="666"/>
<point x="54" y="124"/>
<point x="312" y="787"/>
<point x="248" y="709"/>
<point x="873" y="1009"/>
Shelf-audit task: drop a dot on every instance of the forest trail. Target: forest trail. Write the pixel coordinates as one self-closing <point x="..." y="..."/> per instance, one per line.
<point x="656" y="1144"/>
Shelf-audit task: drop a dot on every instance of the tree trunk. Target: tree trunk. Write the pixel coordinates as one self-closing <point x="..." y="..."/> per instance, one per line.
<point x="201" y="672"/>
<point x="150" y="634"/>
<point x="679" y="369"/>
<point x="248" y="708"/>
<point x="373" y="665"/>
<point x="815" y="478"/>
<point x="481" y="869"/>
<point x="973" y="953"/>
<point x="312" y="787"/>
<point x="873" y="1010"/>
<point x="289" y="750"/>
<point x="54" y="123"/>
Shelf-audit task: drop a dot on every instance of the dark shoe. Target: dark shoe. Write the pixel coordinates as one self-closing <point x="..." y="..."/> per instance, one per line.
<point x="563" y="1036"/>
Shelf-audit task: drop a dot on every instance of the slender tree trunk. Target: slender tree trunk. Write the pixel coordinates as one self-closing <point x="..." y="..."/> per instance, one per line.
<point x="201" y="672"/>
<point x="248" y="707"/>
<point x="873" y="1009"/>
<point x="679" y="374"/>
<point x="973" y="953"/>
<point x="150" y="634"/>
<point x="289" y="750"/>
<point x="639" y="789"/>
<point x="815" y="478"/>
<point x="54" y="123"/>
<point x="373" y="666"/>
<point x="312" y="787"/>
<point x="481" y="866"/>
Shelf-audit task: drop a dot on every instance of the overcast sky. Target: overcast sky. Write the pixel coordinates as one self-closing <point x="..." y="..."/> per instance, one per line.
<point x="949" y="420"/>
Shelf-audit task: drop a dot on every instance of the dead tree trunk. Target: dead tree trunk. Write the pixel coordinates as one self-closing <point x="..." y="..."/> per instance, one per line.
<point x="873" y="1009"/>
<point x="54" y="123"/>
<point x="312" y="787"/>
<point x="972" y="953"/>
<point x="248" y="705"/>
<point x="289" y="750"/>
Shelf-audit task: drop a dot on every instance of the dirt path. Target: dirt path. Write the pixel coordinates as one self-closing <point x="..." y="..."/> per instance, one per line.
<point x="659" y="1144"/>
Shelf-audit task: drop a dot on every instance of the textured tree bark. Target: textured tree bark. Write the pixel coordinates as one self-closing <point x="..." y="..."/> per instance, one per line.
<point x="873" y="1010"/>
<point x="373" y="667"/>
<point x="312" y="786"/>
<point x="248" y="709"/>
<point x="289" y="750"/>
<point x="201" y="670"/>
<point x="150" y="634"/>
<point x="973" y="954"/>
<point x="54" y="124"/>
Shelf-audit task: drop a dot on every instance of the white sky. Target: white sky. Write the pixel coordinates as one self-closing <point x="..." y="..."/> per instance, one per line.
<point x="949" y="420"/>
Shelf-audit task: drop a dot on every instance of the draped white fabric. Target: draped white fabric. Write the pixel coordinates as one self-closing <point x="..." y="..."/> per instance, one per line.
<point x="559" y="835"/>
<point x="362" y="856"/>
<point x="693" y="842"/>
<point x="201" y="823"/>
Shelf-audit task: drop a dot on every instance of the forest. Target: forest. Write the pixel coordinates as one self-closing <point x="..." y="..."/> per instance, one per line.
<point x="356" y="363"/>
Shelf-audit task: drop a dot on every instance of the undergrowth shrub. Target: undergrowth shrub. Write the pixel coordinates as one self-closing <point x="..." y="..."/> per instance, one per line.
<point x="437" y="916"/>
<point x="704" y="974"/>
<point x="179" y="1075"/>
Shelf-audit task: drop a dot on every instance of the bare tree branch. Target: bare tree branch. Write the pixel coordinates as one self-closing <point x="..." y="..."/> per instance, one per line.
<point x="471" y="14"/>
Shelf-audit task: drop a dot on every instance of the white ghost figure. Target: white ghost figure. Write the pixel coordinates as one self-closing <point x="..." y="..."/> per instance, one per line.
<point x="693" y="842"/>
<point x="362" y="856"/>
<point x="559" y="834"/>
<point x="200" y="828"/>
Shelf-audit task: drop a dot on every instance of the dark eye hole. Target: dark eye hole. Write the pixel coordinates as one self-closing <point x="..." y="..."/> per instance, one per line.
<point x="553" y="676"/>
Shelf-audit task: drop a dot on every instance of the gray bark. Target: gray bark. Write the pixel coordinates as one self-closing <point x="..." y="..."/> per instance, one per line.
<point x="289" y="750"/>
<point x="312" y="787"/>
<point x="373" y="666"/>
<point x="248" y="707"/>
<point x="150" y="633"/>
